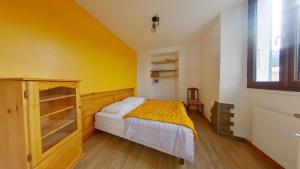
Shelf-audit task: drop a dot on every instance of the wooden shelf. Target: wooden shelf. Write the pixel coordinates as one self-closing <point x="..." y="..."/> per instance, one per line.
<point x="165" y="62"/>
<point x="164" y="77"/>
<point x="51" y="141"/>
<point x="174" y="70"/>
<point x="56" y="110"/>
<point x="55" y="97"/>
<point x="55" y="126"/>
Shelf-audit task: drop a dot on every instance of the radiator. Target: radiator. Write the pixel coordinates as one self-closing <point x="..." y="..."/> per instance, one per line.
<point x="274" y="133"/>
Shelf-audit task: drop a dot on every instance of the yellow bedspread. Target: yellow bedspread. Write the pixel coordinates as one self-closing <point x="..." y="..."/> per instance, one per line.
<point x="163" y="111"/>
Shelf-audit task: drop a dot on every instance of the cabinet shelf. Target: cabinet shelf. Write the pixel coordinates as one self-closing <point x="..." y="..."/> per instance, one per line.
<point x="51" y="141"/>
<point x="56" y="110"/>
<point x="165" y="62"/>
<point x="55" y="97"/>
<point x="55" y="126"/>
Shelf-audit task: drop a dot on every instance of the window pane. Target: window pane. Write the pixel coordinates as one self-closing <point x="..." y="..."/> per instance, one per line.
<point x="269" y="19"/>
<point x="297" y="53"/>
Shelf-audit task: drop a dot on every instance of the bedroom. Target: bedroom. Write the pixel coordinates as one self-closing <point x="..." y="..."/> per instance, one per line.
<point x="64" y="62"/>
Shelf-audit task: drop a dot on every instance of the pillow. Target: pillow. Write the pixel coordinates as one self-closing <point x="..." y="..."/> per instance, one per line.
<point x="134" y="99"/>
<point x="118" y="107"/>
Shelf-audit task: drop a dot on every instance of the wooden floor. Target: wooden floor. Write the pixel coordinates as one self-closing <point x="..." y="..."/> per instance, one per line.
<point x="105" y="151"/>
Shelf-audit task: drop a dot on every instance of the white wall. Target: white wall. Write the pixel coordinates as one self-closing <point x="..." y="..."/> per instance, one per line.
<point x="216" y="64"/>
<point x="144" y="67"/>
<point x="166" y="88"/>
<point x="193" y="61"/>
<point x="266" y="129"/>
<point x="198" y="67"/>
<point x="189" y="61"/>
<point x="233" y="81"/>
<point x="210" y="66"/>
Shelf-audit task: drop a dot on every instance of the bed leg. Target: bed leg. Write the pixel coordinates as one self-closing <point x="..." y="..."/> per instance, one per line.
<point x="181" y="161"/>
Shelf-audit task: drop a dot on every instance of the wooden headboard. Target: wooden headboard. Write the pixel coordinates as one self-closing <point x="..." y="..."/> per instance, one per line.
<point x="93" y="102"/>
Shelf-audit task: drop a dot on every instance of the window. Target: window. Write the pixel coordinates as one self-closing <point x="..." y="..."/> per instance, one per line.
<point x="274" y="44"/>
<point x="297" y="49"/>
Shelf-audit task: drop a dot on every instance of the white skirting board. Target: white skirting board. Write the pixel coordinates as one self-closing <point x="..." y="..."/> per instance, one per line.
<point x="274" y="133"/>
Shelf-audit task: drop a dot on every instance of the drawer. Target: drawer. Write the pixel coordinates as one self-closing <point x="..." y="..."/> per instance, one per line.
<point x="67" y="156"/>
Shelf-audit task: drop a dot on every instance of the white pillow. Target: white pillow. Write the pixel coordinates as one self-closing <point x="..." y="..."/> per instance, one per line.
<point x="118" y="107"/>
<point x="134" y="99"/>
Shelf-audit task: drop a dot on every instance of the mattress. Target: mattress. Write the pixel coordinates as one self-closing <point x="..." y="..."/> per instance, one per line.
<point x="111" y="123"/>
<point x="170" y="138"/>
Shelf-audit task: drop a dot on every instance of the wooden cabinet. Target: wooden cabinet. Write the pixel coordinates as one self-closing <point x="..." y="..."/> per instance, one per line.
<point x="43" y="123"/>
<point x="66" y="154"/>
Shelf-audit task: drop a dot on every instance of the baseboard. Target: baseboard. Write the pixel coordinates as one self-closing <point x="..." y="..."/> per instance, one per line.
<point x="255" y="149"/>
<point x="205" y="119"/>
<point x="263" y="155"/>
<point x="87" y="133"/>
<point x="237" y="138"/>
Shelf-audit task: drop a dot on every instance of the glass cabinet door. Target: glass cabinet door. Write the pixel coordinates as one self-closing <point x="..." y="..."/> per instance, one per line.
<point x="58" y="115"/>
<point x="54" y="115"/>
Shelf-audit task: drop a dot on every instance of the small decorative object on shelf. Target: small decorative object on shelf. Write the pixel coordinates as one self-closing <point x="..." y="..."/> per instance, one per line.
<point x="157" y="73"/>
<point x="154" y="74"/>
<point x="170" y="60"/>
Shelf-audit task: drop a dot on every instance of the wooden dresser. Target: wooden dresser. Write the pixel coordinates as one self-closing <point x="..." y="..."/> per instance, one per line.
<point x="41" y="123"/>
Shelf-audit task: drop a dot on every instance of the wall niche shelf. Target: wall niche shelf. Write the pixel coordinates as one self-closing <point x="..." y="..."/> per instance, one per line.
<point x="174" y="70"/>
<point x="164" y="73"/>
<point x="160" y="77"/>
<point x="165" y="68"/>
<point x="165" y="62"/>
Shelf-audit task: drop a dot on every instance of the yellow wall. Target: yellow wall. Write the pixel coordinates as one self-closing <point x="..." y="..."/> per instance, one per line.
<point x="58" y="39"/>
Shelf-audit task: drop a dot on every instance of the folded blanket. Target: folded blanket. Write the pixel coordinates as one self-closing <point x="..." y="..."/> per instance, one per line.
<point x="163" y="111"/>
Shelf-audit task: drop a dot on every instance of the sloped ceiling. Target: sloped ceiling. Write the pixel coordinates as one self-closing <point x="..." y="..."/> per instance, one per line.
<point x="130" y="20"/>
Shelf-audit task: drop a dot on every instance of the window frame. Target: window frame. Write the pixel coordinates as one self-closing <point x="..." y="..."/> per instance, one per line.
<point x="287" y="80"/>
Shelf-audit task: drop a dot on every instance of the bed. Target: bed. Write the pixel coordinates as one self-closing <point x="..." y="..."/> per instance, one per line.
<point x="173" y="139"/>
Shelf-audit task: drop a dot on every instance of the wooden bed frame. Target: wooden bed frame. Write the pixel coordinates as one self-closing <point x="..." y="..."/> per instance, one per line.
<point x="93" y="102"/>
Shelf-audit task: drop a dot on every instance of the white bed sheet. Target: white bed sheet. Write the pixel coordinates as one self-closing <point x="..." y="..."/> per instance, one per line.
<point x="170" y="138"/>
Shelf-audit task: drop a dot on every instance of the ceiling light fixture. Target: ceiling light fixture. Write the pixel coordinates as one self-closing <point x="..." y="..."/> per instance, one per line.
<point x="155" y="23"/>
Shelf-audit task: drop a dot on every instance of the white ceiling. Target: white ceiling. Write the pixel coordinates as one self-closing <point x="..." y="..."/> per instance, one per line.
<point x="180" y="20"/>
